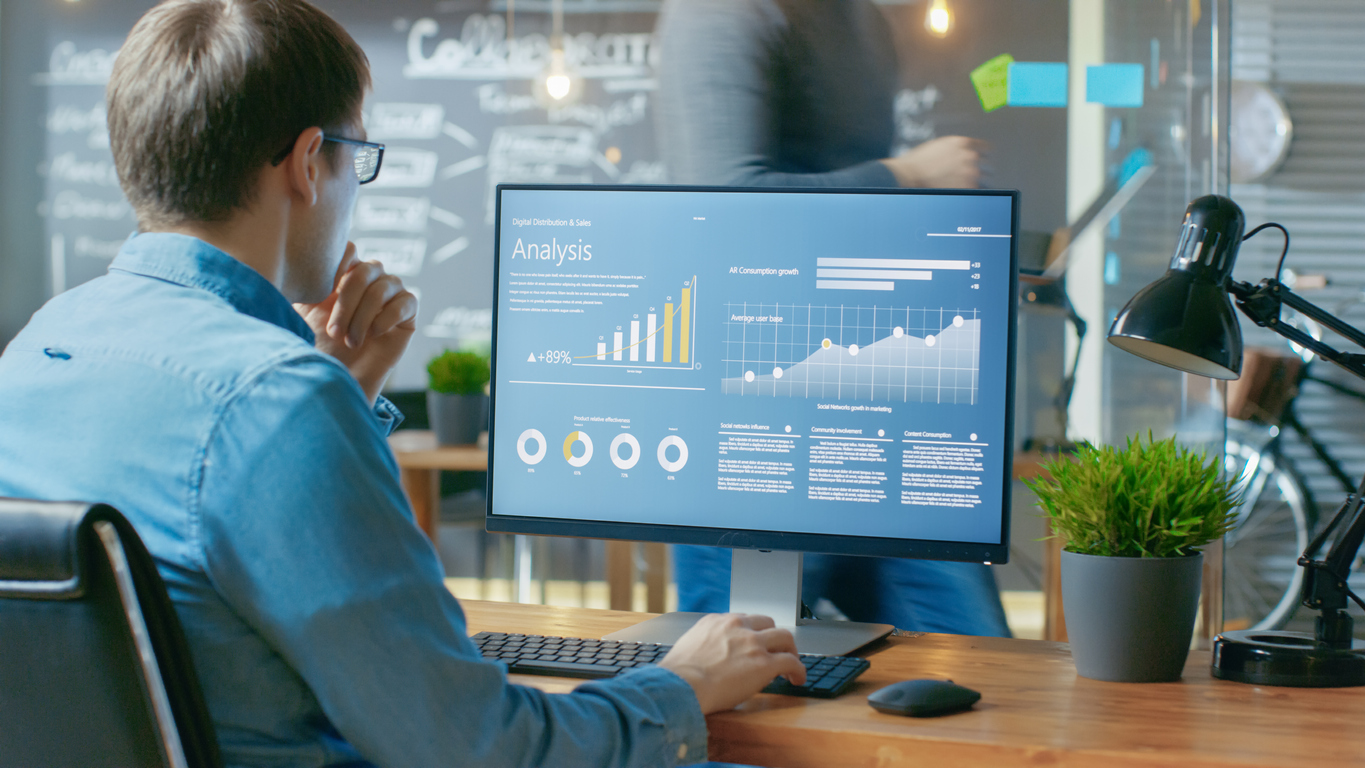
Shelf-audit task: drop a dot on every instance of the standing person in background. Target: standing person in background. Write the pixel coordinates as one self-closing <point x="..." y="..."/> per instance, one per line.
<point x="800" y="93"/>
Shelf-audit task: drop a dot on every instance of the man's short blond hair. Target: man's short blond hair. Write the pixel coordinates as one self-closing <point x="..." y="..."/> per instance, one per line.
<point x="205" y="93"/>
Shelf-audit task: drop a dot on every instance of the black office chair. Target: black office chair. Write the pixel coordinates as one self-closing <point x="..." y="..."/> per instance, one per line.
<point x="94" y="669"/>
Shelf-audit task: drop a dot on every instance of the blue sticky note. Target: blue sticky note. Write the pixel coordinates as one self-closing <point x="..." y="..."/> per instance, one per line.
<point x="1134" y="162"/>
<point x="1112" y="270"/>
<point x="1114" y="85"/>
<point x="1037" y="84"/>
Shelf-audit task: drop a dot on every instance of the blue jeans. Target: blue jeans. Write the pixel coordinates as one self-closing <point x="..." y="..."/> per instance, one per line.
<point x="917" y="595"/>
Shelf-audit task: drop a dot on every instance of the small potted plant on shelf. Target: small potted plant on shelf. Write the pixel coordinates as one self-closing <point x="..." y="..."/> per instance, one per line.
<point x="457" y="403"/>
<point x="1134" y="521"/>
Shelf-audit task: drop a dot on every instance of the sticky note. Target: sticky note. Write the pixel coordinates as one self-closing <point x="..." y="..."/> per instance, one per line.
<point x="992" y="82"/>
<point x="1037" y="84"/>
<point x="1113" y="270"/>
<point x="1114" y="85"/>
<point x="1135" y="161"/>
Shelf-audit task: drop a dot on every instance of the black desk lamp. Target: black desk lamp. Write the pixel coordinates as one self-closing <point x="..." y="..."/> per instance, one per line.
<point x="1185" y="321"/>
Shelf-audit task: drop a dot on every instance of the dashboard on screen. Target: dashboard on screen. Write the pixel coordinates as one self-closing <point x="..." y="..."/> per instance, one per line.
<point x="787" y="369"/>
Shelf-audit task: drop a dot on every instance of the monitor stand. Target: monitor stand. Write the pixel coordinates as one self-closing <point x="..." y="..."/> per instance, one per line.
<point x="767" y="583"/>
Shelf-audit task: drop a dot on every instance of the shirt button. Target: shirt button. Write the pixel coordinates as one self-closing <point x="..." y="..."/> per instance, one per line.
<point x="682" y="751"/>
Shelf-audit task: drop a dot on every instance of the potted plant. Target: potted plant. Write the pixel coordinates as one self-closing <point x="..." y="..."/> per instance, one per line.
<point x="457" y="404"/>
<point x="1134" y="521"/>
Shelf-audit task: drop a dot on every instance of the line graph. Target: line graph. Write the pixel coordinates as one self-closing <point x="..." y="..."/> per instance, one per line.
<point x="890" y="354"/>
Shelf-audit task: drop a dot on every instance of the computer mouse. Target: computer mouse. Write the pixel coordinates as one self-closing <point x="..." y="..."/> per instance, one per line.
<point x="923" y="698"/>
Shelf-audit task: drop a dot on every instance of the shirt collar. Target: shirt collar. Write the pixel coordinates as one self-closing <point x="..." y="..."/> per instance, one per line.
<point x="193" y="263"/>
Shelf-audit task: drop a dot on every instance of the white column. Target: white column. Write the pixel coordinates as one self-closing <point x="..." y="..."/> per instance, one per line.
<point x="616" y="346"/>
<point x="634" y="340"/>
<point x="1085" y="180"/>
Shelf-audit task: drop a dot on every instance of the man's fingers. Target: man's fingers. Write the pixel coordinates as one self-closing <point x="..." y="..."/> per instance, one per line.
<point x="348" y="260"/>
<point x="349" y="292"/>
<point x="777" y="640"/>
<point x="781" y="648"/>
<point x="399" y="312"/>
<point x="372" y="303"/>
<point x="757" y="621"/>
<point x="789" y="666"/>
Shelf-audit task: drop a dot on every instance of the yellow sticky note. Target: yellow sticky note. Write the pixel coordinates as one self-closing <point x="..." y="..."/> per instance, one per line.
<point x="992" y="82"/>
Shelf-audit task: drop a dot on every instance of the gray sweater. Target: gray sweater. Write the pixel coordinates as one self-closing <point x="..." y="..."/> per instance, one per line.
<point x="776" y="92"/>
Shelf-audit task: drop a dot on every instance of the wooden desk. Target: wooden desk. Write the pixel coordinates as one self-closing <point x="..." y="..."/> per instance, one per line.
<point x="420" y="462"/>
<point x="1034" y="710"/>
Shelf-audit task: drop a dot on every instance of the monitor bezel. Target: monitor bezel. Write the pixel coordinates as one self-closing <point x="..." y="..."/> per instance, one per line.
<point x="924" y="549"/>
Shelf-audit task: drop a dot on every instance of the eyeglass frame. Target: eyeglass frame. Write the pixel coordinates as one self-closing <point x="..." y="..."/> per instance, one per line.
<point x="379" y="161"/>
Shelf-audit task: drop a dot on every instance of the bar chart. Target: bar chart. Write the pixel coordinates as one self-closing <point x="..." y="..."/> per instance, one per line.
<point x="844" y="352"/>
<point x="843" y="274"/>
<point x="663" y="336"/>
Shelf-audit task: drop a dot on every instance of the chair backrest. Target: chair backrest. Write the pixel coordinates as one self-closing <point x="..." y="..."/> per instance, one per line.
<point x="94" y="668"/>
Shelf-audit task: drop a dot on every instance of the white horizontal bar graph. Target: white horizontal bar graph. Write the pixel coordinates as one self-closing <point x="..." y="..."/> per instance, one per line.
<point x="877" y="274"/>
<point x="855" y="285"/>
<point x="894" y="263"/>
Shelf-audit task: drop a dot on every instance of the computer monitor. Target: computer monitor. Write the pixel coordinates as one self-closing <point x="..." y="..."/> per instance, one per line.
<point x="776" y="371"/>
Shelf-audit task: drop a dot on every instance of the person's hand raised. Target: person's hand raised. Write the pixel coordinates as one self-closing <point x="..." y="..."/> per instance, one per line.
<point x="945" y="162"/>
<point x="366" y="322"/>
<point x="728" y="657"/>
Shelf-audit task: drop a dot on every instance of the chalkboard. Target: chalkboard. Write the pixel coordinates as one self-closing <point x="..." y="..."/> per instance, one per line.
<point x="453" y="101"/>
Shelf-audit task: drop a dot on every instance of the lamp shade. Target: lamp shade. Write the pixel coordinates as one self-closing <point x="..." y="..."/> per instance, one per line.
<point x="1185" y="320"/>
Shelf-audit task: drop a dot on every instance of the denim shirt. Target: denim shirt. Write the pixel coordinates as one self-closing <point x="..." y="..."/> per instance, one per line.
<point x="183" y="389"/>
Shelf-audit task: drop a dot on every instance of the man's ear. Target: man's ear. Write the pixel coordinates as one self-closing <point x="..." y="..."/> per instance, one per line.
<point x="305" y="165"/>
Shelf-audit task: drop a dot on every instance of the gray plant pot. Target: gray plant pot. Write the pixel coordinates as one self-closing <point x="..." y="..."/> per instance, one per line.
<point x="457" y="419"/>
<point x="1130" y="619"/>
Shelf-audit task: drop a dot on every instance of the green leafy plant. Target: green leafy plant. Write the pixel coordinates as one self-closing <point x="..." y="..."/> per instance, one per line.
<point x="458" y="373"/>
<point x="1152" y="499"/>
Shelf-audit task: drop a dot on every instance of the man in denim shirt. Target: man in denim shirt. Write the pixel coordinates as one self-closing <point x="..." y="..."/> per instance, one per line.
<point x="220" y="386"/>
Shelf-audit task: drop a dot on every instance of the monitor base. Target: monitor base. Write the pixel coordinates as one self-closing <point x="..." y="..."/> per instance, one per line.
<point x="827" y="638"/>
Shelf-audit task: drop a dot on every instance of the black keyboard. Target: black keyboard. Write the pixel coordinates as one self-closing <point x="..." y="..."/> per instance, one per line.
<point x="826" y="676"/>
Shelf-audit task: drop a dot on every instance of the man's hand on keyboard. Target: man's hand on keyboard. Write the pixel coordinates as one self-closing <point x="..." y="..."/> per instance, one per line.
<point x="728" y="657"/>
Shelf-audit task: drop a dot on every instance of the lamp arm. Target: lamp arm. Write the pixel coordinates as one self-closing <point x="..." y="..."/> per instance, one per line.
<point x="1325" y="585"/>
<point x="1262" y="304"/>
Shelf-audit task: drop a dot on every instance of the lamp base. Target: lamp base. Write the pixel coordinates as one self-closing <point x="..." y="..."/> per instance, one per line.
<point x="1291" y="659"/>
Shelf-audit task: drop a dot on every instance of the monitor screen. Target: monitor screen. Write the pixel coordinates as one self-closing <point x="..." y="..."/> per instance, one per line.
<point x="819" y="371"/>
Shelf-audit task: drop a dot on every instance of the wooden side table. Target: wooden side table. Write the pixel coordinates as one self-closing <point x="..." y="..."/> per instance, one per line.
<point x="420" y="461"/>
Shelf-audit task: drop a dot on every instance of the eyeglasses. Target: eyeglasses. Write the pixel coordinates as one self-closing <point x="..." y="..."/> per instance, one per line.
<point x="368" y="156"/>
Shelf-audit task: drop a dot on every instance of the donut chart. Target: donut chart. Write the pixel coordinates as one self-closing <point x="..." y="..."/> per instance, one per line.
<point x="633" y="459"/>
<point x="527" y="436"/>
<point x="672" y="466"/>
<point x="578" y="437"/>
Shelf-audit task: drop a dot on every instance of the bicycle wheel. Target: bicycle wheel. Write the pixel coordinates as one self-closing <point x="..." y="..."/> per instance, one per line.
<point x="1261" y="575"/>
